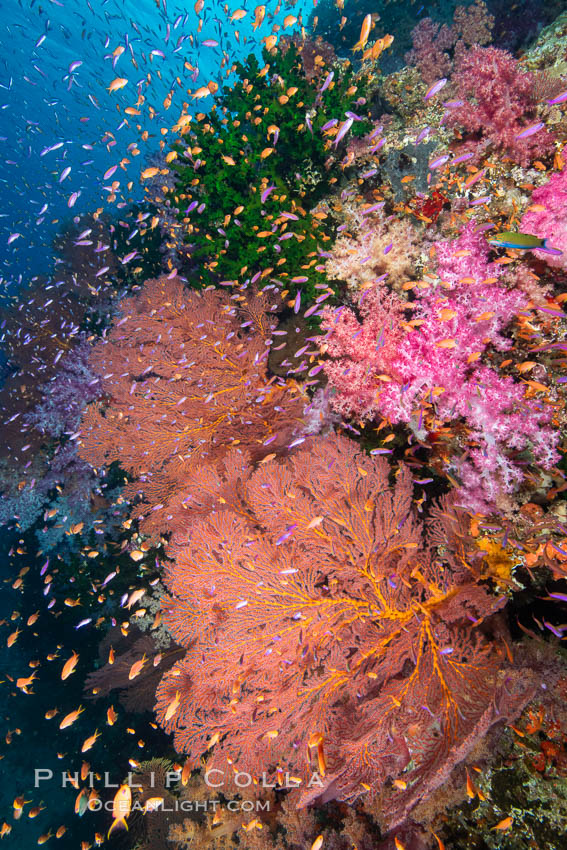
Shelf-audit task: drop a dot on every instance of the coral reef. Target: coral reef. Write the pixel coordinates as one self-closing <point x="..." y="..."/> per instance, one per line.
<point x="255" y="172"/>
<point x="283" y="441"/>
<point x="498" y="105"/>
<point x="396" y="366"/>
<point x="195" y="364"/>
<point x="378" y="249"/>
<point x="308" y="598"/>
<point x="435" y="45"/>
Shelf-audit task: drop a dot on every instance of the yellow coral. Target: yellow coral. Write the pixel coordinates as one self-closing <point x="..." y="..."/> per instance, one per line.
<point x="500" y="563"/>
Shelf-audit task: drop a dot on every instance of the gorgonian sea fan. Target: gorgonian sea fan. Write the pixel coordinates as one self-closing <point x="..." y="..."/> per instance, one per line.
<point x="184" y="377"/>
<point x="327" y="629"/>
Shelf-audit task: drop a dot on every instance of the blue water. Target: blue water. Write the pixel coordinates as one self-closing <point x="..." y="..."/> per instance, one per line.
<point x="43" y="103"/>
<point x="56" y="113"/>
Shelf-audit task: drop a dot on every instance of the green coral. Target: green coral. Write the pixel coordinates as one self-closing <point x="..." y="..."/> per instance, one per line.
<point x="226" y="245"/>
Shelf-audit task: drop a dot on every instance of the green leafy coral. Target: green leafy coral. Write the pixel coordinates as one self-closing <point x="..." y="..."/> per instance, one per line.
<point x="258" y="135"/>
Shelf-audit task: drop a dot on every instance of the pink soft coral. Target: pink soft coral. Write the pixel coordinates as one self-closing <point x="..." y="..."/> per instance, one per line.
<point x="473" y="24"/>
<point x="362" y="351"/>
<point x="551" y="222"/>
<point x="503" y="105"/>
<point x="426" y="373"/>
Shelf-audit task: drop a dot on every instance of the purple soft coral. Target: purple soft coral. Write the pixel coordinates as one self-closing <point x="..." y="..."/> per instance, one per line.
<point x="435" y="45"/>
<point x="66" y="395"/>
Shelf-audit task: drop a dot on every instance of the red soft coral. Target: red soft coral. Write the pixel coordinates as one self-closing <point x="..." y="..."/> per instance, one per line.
<point x="431" y="41"/>
<point x="498" y="104"/>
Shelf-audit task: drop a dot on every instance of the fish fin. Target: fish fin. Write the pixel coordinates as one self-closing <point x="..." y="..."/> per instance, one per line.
<point x="116" y="823"/>
<point x="548" y="249"/>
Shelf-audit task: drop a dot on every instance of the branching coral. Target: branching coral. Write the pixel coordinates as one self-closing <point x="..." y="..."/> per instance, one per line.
<point x="325" y="633"/>
<point x="266" y="131"/>
<point x="184" y="377"/>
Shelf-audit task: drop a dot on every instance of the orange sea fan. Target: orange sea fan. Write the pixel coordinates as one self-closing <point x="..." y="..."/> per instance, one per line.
<point x="185" y="378"/>
<point x="326" y="632"/>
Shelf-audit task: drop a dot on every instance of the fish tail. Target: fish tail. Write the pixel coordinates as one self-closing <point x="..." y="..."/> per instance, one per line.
<point x="115" y="824"/>
<point x="556" y="252"/>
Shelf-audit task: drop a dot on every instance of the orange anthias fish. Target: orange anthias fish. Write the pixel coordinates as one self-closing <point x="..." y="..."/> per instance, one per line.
<point x="149" y="172"/>
<point x="172" y="707"/>
<point x="135" y="596"/>
<point x="69" y="666"/>
<point x="259" y="13"/>
<point x="117" y="84"/>
<point x="204" y="91"/>
<point x="136" y="667"/>
<point x="89" y="742"/>
<point x="378" y="47"/>
<point x="18" y="805"/>
<point x="152" y="804"/>
<point x="364" y="33"/>
<point x="186" y="773"/>
<point x="121" y="808"/>
<point x="24" y="684"/>
<point x="504" y="824"/>
<point x="70" y="718"/>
